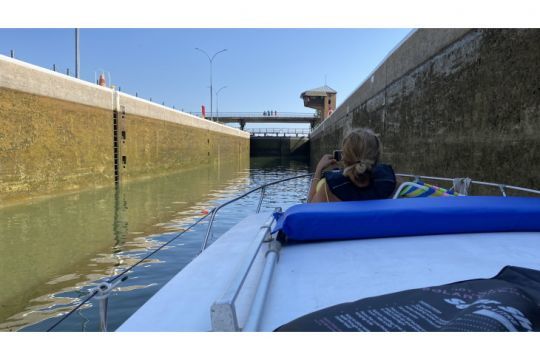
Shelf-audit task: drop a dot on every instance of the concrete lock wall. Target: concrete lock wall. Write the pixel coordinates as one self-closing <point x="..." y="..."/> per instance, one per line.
<point x="160" y="140"/>
<point x="451" y="103"/>
<point x="57" y="135"/>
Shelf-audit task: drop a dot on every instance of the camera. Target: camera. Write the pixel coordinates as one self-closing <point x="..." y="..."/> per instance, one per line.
<point x="337" y="155"/>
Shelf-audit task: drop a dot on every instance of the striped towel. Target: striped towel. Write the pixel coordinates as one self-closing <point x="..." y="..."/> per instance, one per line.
<point x="425" y="190"/>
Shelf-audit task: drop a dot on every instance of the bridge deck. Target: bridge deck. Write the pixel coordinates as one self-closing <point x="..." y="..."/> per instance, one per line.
<point x="259" y="117"/>
<point x="266" y="119"/>
<point x="281" y="132"/>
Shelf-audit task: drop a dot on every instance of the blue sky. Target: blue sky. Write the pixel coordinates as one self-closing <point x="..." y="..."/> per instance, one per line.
<point x="263" y="69"/>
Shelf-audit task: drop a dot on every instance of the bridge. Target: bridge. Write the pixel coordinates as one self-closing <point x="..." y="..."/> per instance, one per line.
<point x="279" y="132"/>
<point x="282" y="142"/>
<point x="243" y="118"/>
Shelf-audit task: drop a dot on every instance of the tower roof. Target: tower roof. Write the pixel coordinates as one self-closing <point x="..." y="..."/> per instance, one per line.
<point x="320" y="91"/>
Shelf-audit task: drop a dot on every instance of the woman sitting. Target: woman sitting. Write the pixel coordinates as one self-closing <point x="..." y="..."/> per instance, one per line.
<point x="362" y="177"/>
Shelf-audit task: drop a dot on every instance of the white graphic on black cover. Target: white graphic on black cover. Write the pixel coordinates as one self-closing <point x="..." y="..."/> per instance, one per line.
<point x="507" y="316"/>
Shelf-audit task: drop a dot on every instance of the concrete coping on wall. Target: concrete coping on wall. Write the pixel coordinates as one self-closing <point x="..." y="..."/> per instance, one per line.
<point x="416" y="48"/>
<point x="19" y="75"/>
<point x="51" y="72"/>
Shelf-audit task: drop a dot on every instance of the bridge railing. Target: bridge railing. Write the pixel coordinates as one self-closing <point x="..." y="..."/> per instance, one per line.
<point x="262" y="132"/>
<point x="261" y="114"/>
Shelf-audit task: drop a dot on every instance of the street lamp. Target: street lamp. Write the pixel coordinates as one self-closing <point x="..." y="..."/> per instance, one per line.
<point x="211" y="59"/>
<point x="77" y="55"/>
<point x="217" y="100"/>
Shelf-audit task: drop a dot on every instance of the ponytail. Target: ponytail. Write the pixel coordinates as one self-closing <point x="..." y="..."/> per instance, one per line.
<point x="359" y="171"/>
<point x="361" y="152"/>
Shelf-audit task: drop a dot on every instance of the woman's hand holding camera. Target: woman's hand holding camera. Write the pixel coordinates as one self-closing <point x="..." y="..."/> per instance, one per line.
<point x="326" y="161"/>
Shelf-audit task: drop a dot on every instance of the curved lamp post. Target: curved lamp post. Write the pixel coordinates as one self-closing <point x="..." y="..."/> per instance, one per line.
<point x="217" y="101"/>
<point x="211" y="59"/>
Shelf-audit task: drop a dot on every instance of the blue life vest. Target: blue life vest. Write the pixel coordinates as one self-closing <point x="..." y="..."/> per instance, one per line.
<point x="382" y="183"/>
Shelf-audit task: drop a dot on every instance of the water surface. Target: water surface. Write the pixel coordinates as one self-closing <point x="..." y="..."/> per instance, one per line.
<point x="54" y="250"/>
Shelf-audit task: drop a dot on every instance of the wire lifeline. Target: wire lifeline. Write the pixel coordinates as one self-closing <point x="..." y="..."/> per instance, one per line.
<point x="73" y="310"/>
<point x="96" y="291"/>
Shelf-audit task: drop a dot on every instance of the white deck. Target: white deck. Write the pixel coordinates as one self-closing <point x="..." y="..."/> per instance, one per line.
<point x="311" y="277"/>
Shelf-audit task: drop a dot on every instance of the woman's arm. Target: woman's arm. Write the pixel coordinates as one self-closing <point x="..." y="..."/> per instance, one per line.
<point x="313" y="188"/>
<point x="325" y="161"/>
<point x="321" y="195"/>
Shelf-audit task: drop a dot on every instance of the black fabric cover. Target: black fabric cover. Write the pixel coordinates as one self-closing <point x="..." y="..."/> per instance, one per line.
<point x="510" y="301"/>
<point x="381" y="185"/>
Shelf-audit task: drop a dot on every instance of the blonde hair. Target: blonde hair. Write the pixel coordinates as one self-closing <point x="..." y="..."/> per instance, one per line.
<point x="361" y="152"/>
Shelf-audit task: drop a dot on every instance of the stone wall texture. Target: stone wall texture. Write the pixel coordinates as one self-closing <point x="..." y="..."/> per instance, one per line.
<point x="57" y="135"/>
<point x="452" y="103"/>
<point x="49" y="146"/>
<point x="158" y="147"/>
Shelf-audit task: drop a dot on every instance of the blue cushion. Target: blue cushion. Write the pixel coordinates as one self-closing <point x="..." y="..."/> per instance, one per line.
<point x="409" y="217"/>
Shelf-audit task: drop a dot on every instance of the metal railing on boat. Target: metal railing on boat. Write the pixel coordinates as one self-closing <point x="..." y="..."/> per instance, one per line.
<point x="466" y="182"/>
<point x="263" y="190"/>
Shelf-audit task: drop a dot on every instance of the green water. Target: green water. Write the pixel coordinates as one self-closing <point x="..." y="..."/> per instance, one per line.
<point x="52" y="249"/>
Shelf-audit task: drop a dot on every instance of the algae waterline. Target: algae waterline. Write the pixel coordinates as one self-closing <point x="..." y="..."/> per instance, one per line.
<point x="51" y="146"/>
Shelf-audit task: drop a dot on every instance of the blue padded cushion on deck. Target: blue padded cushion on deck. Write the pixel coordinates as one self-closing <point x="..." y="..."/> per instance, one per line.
<point x="408" y="217"/>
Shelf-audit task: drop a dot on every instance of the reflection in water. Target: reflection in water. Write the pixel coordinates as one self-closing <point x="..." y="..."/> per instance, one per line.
<point x="120" y="224"/>
<point x="53" y="251"/>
